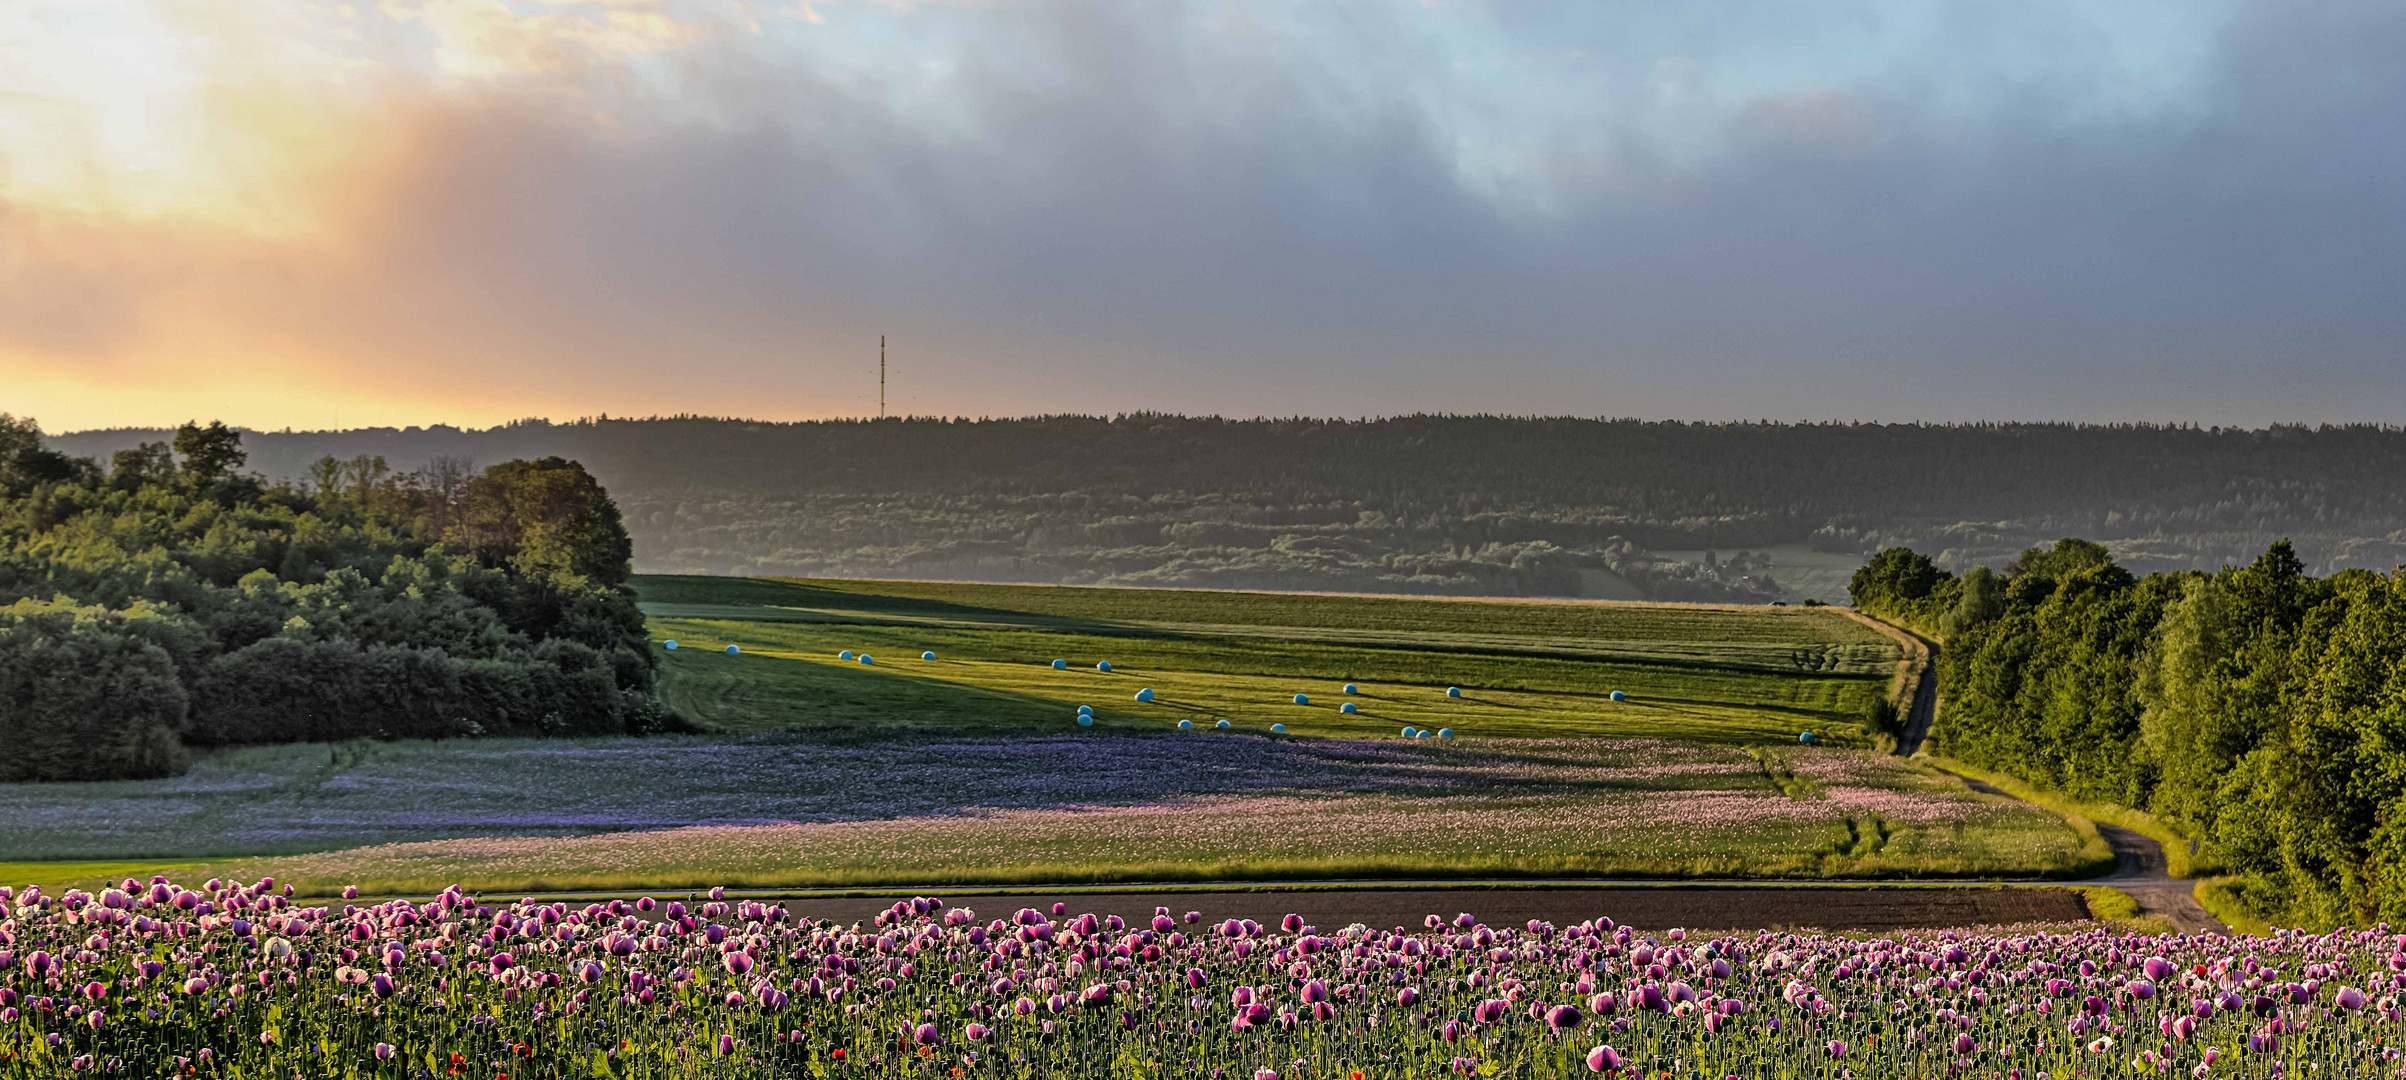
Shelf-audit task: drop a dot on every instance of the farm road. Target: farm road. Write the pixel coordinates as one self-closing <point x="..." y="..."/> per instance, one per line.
<point x="2140" y="870"/>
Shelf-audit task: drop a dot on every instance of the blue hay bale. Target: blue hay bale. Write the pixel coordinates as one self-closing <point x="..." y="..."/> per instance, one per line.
<point x="1352" y="689"/>
<point x="1409" y="731"/>
<point x="734" y="649"/>
<point x="1420" y="734"/>
<point x="1619" y="696"/>
<point x="1222" y="725"/>
<point x="1060" y="665"/>
<point x="867" y="659"/>
<point x="1453" y="691"/>
<point x="1445" y="733"/>
<point x="670" y="644"/>
<point x="927" y="656"/>
<point x="1804" y="737"/>
<point x="1278" y="729"/>
<point x="1085" y="710"/>
<point x="1085" y="719"/>
<point x="1145" y="694"/>
<point x="844" y="655"/>
<point x="1186" y="725"/>
<point x="1303" y="699"/>
<point x="1348" y="709"/>
<point x="1103" y="666"/>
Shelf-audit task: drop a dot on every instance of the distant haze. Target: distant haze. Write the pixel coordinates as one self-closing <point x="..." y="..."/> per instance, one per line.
<point x="277" y="212"/>
<point x="1466" y="504"/>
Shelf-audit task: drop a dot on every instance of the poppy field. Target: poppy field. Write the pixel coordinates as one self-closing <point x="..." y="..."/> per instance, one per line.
<point x="164" y="979"/>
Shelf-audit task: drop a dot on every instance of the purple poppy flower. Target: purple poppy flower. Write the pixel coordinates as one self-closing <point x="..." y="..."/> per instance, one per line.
<point x="1563" y="1017"/>
<point x="1603" y="1059"/>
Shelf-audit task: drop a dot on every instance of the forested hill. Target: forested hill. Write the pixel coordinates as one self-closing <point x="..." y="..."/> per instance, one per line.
<point x="1426" y="503"/>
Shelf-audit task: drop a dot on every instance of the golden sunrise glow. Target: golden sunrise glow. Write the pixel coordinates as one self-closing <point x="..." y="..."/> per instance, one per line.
<point x="191" y="187"/>
<point x="244" y="114"/>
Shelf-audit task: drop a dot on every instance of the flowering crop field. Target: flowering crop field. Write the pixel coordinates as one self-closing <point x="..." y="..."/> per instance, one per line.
<point x="970" y="768"/>
<point x="1525" y="668"/>
<point x="156" y="979"/>
<point x="808" y="810"/>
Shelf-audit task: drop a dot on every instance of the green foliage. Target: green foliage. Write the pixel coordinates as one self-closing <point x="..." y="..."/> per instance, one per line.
<point x="1904" y="586"/>
<point x="190" y="601"/>
<point x="2257" y="709"/>
<point x="87" y="693"/>
<point x="25" y="462"/>
<point x="210" y="454"/>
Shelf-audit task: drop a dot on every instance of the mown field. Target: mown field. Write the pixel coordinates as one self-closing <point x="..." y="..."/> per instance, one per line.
<point x="970" y="769"/>
<point x="1526" y="669"/>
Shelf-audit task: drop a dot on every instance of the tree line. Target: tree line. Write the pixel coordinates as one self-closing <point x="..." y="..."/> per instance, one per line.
<point x="2259" y="709"/>
<point x="170" y="599"/>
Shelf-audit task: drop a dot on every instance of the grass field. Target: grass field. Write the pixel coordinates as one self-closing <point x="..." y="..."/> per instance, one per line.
<point x="1527" y="669"/>
<point x="969" y="769"/>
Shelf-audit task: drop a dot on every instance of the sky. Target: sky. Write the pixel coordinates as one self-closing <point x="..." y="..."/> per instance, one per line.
<point x="387" y="212"/>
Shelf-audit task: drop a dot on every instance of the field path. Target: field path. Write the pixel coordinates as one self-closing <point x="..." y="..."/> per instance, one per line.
<point x="1925" y="701"/>
<point x="2139" y="869"/>
<point x="1924" y="710"/>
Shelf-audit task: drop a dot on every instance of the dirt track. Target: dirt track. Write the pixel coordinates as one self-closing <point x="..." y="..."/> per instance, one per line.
<point x="1646" y="908"/>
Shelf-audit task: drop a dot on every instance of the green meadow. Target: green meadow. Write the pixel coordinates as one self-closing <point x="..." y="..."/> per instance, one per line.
<point x="1525" y="669"/>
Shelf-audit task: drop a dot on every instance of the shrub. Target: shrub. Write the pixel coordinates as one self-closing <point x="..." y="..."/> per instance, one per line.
<point x="83" y="695"/>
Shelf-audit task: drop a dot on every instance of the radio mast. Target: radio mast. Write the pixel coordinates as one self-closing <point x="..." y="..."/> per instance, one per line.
<point x="881" y="376"/>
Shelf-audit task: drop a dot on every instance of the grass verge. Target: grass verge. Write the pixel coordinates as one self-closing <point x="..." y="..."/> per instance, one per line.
<point x="2177" y="860"/>
<point x="2225" y="898"/>
<point x="2110" y="905"/>
<point x="55" y="877"/>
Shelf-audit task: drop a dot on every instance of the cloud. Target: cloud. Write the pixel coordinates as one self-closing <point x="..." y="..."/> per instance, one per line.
<point x="1881" y="211"/>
